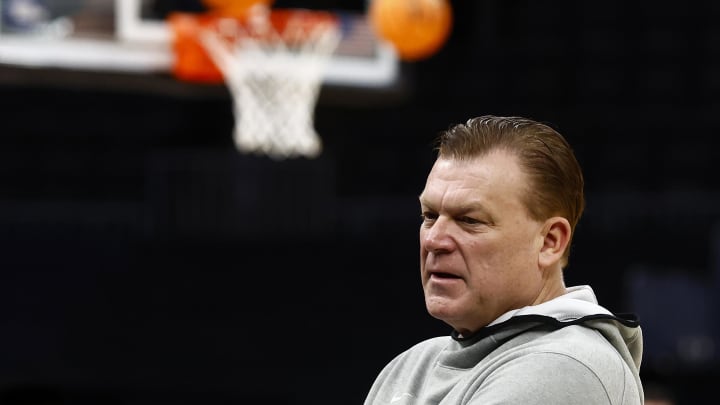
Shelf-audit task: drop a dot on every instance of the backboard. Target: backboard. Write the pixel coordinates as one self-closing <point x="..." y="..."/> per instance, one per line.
<point x="360" y="59"/>
<point x="125" y="35"/>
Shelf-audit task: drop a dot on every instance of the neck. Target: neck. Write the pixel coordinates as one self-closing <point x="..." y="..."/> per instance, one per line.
<point x="553" y="287"/>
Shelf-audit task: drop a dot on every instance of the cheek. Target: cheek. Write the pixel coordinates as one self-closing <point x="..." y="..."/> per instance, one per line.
<point x="483" y="251"/>
<point x="520" y="260"/>
<point x="497" y="257"/>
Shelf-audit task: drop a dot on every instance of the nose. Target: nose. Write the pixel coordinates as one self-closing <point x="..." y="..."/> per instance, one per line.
<point x="437" y="238"/>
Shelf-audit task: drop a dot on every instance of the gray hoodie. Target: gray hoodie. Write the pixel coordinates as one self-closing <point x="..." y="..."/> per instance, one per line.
<point x="568" y="350"/>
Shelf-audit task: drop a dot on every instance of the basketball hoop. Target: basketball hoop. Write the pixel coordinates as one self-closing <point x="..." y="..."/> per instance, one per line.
<point x="273" y="64"/>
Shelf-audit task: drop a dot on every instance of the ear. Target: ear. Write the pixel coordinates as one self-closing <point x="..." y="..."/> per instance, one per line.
<point x="556" y="237"/>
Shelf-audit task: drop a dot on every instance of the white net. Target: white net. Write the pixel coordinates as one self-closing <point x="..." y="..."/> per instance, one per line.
<point x="274" y="76"/>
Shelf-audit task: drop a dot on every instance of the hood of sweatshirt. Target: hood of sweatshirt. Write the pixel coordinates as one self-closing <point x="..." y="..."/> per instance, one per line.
<point x="451" y="367"/>
<point x="578" y="306"/>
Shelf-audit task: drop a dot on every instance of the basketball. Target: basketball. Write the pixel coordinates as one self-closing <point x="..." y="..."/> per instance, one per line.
<point x="416" y="28"/>
<point x="237" y="8"/>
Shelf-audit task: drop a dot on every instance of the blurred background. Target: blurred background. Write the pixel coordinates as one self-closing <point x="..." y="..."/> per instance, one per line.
<point x="145" y="260"/>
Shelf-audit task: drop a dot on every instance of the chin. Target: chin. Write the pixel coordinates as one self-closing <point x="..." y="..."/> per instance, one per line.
<point x="439" y="308"/>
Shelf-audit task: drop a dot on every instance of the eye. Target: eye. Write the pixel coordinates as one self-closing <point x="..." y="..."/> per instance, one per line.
<point x="470" y="220"/>
<point x="428" y="216"/>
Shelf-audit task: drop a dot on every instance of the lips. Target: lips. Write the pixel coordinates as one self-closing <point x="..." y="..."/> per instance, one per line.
<point x="443" y="275"/>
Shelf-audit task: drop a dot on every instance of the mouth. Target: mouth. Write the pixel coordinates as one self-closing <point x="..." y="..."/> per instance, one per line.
<point x="443" y="276"/>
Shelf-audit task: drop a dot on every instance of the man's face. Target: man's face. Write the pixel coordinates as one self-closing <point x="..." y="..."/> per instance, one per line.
<point x="478" y="246"/>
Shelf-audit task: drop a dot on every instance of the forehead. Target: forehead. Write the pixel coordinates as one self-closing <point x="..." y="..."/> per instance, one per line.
<point x="496" y="176"/>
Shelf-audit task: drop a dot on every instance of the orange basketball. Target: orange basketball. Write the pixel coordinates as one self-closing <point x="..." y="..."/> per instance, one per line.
<point x="236" y="8"/>
<point x="416" y="28"/>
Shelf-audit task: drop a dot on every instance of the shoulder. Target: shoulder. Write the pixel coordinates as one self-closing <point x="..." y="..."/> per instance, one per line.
<point x="567" y="365"/>
<point x="575" y="345"/>
<point x="543" y="378"/>
<point x="583" y="345"/>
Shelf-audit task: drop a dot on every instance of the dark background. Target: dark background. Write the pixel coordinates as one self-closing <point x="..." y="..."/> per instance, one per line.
<point x="145" y="261"/>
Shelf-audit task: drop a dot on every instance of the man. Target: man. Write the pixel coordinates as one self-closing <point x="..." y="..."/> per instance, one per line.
<point x="499" y="210"/>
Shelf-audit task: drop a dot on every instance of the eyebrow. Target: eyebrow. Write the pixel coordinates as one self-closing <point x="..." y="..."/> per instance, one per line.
<point x="461" y="209"/>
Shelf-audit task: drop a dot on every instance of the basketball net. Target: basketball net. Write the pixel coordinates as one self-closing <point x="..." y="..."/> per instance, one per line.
<point x="274" y="73"/>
